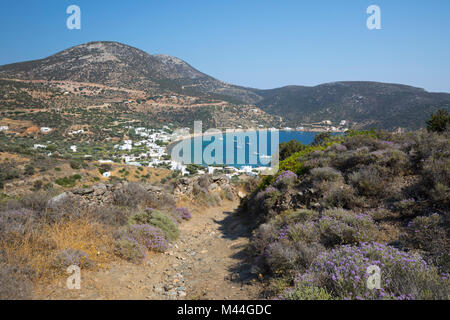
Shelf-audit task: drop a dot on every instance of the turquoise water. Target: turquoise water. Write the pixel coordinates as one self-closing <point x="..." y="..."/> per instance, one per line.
<point x="248" y="151"/>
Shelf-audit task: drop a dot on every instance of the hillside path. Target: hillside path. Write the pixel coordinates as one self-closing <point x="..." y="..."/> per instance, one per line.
<point x="209" y="261"/>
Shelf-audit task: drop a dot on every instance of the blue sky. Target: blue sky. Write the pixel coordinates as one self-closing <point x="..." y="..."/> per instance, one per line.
<point x="262" y="44"/>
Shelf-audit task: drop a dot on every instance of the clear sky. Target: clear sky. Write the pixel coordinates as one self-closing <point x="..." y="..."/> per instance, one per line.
<point x="262" y="44"/>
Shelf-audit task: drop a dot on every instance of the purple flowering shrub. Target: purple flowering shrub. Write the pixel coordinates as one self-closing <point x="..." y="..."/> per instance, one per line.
<point x="133" y="240"/>
<point x="69" y="257"/>
<point x="339" y="226"/>
<point x="343" y="273"/>
<point x="285" y="180"/>
<point x="184" y="213"/>
<point x="292" y="241"/>
<point x="164" y="221"/>
<point x="150" y="237"/>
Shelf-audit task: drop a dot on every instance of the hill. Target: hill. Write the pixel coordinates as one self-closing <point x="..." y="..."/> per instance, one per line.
<point x="118" y="65"/>
<point x="365" y="104"/>
<point x="112" y="64"/>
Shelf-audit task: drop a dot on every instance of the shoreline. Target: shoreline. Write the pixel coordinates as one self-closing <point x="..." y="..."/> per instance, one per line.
<point x="195" y="135"/>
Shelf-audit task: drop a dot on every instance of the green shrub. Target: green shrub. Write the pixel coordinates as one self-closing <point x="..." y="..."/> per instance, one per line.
<point x="75" y="164"/>
<point x="157" y="219"/>
<point x="321" y="138"/>
<point x="439" y="121"/>
<point x="289" y="148"/>
<point x="304" y="291"/>
<point x="68" y="182"/>
<point x="130" y="250"/>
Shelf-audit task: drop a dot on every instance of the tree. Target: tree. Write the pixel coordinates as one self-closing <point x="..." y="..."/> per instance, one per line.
<point x="321" y="138"/>
<point x="289" y="148"/>
<point x="438" y="121"/>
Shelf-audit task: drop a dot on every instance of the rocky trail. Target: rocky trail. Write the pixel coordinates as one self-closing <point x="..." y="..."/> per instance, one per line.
<point x="208" y="261"/>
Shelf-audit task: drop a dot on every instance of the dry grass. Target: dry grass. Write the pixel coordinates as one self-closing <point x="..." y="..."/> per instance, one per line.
<point x="37" y="249"/>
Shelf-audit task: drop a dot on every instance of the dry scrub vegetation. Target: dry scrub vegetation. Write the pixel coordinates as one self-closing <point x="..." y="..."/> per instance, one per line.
<point x="40" y="239"/>
<point x="347" y="202"/>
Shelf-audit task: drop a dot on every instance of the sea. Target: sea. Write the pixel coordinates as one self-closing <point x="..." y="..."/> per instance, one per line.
<point x="250" y="148"/>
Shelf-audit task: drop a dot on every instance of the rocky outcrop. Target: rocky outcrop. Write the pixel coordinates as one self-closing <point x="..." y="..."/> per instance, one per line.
<point x="186" y="187"/>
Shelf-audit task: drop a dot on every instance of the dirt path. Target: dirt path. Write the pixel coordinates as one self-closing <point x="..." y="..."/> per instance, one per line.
<point x="208" y="261"/>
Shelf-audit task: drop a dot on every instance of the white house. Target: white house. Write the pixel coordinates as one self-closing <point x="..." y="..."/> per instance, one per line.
<point x="46" y="129"/>
<point x="77" y="131"/>
<point x="4" y="128"/>
<point x="39" y="146"/>
<point x="107" y="174"/>
<point x="73" y="148"/>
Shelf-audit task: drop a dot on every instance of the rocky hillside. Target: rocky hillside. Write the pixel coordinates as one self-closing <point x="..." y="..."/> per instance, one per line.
<point x="118" y="65"/>
<point x="364" y="104"/>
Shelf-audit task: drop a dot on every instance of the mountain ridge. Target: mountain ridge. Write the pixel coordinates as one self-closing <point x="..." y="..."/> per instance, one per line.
<point x="364" y="103"/>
